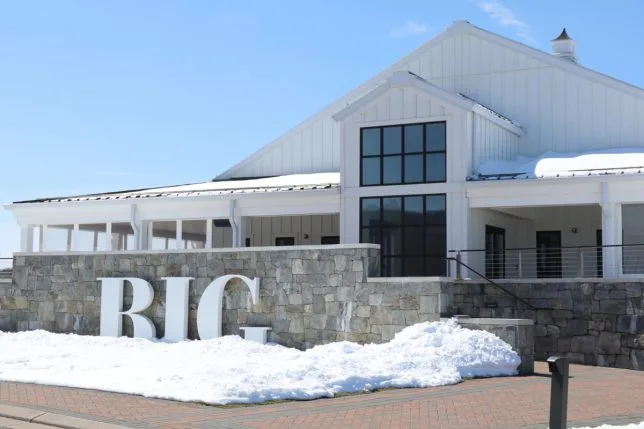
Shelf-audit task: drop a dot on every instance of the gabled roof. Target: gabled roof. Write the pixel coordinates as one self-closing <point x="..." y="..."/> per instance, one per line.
<point x="458" y="27"/>
<point x="409" y="79"/>
<point x="294" y="182"/>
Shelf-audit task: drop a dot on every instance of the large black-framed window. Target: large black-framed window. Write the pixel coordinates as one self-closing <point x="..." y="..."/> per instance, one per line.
<point x="403" y="154"/>
<point x="411" y="231"/>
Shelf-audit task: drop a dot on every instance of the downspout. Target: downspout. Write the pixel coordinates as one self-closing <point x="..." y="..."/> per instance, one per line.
<point x="233" y="224"/>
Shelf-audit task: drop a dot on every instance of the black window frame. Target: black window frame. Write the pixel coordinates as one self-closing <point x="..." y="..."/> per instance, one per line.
<point x="427" y="226"/>
<point x="280" y="240"/>
<point x="403" y="154"/>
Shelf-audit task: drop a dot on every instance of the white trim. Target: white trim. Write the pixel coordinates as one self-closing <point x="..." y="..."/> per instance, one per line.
<point x="108" y="234"/>
<point x="405" y="79"/>
<point x="490" y="116"/>
<point x="209" y="225"/>
<point x="217" y="250"/>
<point x="179" y="234"/>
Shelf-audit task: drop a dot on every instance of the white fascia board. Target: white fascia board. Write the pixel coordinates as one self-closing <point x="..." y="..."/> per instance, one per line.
<point x="402" y="79"/>
<point x="485" y="113"/>
<point x="159" y="208"/>
<point x="552" y="60"/>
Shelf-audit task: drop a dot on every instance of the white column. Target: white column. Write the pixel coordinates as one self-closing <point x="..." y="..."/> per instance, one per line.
<point x="69" y="239"/>
<point x="179" y="235"/>
<point x="241" y="227"/>
<point x="108" y="237"/>
<point x="27" y="239"/>
<point x="209" y="223"/>
<point x="611" y="236"/>
<point x="232" y="218"/>
<point x="95" y="242"/>
<point x="43" y="235"/>
<point x="75" y="237"/>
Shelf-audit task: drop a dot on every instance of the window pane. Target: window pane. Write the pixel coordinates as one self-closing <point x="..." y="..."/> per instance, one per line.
<point x="435" y="209"/>
<point x="414" y="267"/>
<point x="391" y="267"/>
<point x="370" y="235"/>
<point x="435" y="266"/>
<point x="391" y="241"/>
<point x="284" y="241"/>
<point x="370" y="211"/>
<point x="413" y="168"/>
<point x="435" y="167"/>
<point x="414" y="210"/>
<point x="371" y="141"/>
<point x="392" y="170"/>
<point x="414" y="241"/>
<point x="371" y="171"/>
<point x="436" y="240"/>
<point x="392" y="211"/>
<point x="391" y="140"/>
<point x="435" y="136"/>
<point x="413" y="138"/>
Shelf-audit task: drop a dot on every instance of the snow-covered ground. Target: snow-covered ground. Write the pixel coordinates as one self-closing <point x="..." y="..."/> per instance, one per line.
<point x="551" y="164"/>
<point x="230" y="369"/>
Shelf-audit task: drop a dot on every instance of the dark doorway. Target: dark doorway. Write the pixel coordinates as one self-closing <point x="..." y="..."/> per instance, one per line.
<point x="600" y="254"/>
<point x="284" y="241"/>
<point x="330" y="239"/>
<point x="549" y="254"/>
<point x="494" y="252"/>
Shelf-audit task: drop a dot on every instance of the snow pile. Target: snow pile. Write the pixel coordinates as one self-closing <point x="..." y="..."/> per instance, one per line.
<point x="552" y="164"/>
<point x="230" y="369"/>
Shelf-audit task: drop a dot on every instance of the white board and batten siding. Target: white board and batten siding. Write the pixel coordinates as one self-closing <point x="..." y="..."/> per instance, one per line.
<point x="561" y="106"/>
<point x="405" y="105"/>
<point x="263" y="231"/>
<point x="493" y="142"/>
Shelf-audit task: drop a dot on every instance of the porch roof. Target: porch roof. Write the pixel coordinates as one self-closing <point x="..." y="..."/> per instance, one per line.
<point x="294" y="182"/>
<point x="608" y="162"/>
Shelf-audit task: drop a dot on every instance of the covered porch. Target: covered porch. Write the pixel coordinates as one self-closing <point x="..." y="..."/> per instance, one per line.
<point x="557" y="228"/>
<point x="280" y="211"/>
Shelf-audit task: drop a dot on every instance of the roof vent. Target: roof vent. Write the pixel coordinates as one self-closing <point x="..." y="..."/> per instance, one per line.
<point x="564" y="47"/>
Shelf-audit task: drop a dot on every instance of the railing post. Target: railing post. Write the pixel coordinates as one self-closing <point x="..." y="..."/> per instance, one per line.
<point x="520" y="264"/>
<point x="458" y="266"/>
<point x="581" y="263"/>
<point x="559" y="368"/>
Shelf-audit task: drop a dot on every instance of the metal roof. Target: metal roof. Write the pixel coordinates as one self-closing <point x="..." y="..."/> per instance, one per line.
<point x="290" y="183"/>
<point x="563" y="174"/>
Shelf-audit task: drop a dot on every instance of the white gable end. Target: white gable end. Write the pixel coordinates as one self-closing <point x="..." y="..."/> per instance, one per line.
<point x="561" y="106"/>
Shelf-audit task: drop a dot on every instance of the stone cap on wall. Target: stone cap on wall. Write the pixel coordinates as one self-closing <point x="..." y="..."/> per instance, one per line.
<point x="406" y="279"/>
<point x="494" y="321"/>
<point x="218" y="250"/>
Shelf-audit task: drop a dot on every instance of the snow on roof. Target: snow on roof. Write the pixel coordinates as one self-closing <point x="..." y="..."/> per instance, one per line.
<point x="553" y="164"/>
<point x="294" y="182"/>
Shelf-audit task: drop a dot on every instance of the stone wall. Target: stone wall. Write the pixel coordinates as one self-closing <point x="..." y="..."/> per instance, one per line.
<point x="595" y="322"/>
<point x="308" y="295"/>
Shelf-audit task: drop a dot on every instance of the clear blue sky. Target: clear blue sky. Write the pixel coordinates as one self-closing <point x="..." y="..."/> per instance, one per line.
<point x="104" y="95"/>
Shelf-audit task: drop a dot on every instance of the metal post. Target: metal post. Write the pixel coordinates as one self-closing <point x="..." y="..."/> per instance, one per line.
<point x="520" y="264"/>
<point x="458" y="266"/>
<point x="559" y="368"/>
<point x="581" y="263"/>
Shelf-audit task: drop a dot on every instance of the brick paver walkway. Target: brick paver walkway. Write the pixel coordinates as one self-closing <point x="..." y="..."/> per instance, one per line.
<point x="597" y="395"/>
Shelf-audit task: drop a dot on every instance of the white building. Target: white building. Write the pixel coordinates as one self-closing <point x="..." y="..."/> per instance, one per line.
<point x="473" y="142"/>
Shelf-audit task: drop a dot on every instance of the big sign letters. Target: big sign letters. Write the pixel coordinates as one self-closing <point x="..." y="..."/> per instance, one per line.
<point x="176" y="313"/>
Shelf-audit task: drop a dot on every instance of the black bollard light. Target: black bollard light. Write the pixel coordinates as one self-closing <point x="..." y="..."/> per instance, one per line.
<point x="559" y="368"/>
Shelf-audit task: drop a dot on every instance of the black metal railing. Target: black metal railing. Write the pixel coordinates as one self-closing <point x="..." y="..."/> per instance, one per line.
<point x="553" y="262"/>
